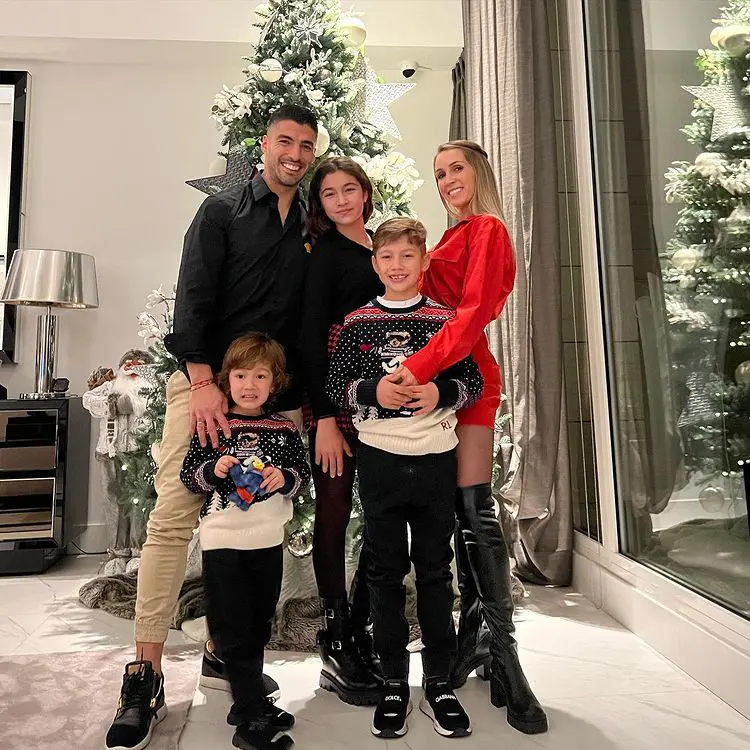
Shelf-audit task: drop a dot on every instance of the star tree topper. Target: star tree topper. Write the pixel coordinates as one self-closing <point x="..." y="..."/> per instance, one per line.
<point x="727" y="103"/>
<point x="372" y="102"/>
<point x="239" y="171"/>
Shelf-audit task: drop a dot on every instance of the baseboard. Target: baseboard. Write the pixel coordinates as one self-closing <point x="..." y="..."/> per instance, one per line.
<point x="91" y="538"/>
<point x="705" y="640"/>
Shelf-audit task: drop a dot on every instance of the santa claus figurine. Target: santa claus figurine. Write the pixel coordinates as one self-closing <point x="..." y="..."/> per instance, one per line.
<point x="118" y="402"/>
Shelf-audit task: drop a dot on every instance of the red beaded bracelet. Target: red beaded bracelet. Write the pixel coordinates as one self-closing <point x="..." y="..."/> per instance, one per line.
<point x="201" y="384"/>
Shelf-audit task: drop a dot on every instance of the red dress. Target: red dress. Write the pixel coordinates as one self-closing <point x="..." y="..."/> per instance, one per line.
<point x="472" y="270"/>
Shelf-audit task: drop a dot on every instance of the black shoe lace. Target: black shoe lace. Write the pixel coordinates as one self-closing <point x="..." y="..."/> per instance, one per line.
<point x="135" y="692"/>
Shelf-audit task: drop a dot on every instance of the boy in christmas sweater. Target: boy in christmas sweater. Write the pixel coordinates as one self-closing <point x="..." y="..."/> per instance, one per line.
<point x="407" y="474"/>
<point x="248" y="482"/>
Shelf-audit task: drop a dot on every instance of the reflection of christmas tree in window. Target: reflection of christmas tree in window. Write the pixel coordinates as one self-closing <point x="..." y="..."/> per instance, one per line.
<point x="706" y="266"/>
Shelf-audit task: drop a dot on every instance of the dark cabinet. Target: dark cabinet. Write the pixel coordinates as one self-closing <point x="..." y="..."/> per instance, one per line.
<point x="44" y="480"/>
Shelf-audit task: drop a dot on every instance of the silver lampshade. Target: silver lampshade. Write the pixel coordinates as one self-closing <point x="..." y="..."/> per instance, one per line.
<point x="50" y="278"/>
<point x="54" y="278"/>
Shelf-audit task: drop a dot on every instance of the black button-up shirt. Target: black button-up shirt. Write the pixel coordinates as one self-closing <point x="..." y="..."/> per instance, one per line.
<point x="241" y="270"/>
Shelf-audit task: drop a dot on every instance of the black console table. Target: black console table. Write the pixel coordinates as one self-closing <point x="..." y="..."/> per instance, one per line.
<point x="44" y="480"/>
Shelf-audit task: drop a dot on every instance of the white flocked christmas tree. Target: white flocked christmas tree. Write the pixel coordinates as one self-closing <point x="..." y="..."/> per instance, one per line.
<point x="308" y="53"/>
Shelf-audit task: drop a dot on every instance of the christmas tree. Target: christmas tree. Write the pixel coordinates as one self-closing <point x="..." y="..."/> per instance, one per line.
<point x="706" y="266"/>
<point x="307" y="54"/>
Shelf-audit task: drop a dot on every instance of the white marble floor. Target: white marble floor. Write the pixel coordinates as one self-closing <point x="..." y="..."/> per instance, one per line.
<point x="603" y="688"/>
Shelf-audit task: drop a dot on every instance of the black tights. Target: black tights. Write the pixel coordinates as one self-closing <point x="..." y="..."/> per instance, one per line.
<point x="333" y="507"/>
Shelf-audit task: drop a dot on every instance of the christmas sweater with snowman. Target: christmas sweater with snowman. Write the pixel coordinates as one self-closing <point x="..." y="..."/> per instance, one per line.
<point x="374" y="341"/>
<point x="274" y="441"/>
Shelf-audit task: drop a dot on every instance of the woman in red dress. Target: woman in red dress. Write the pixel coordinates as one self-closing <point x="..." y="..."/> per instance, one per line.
<point x="472" y="270"/>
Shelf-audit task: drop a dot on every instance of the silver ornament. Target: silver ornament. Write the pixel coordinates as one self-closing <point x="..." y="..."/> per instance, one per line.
<point x="742" y="373"/>
<point x="726" y="100"/>
<point x="300" y="543"/>
<point x="711" y="499"/>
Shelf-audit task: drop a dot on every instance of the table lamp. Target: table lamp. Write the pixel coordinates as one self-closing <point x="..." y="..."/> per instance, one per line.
<point x="49" y="278"/>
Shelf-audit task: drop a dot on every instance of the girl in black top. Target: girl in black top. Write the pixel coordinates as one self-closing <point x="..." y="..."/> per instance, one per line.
<point x="340" y="279"/>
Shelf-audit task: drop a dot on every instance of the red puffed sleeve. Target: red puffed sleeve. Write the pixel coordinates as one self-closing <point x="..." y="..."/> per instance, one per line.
<point x="489" y="279"/>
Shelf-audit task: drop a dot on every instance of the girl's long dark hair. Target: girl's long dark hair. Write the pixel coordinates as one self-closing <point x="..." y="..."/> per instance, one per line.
<point x="318" y="222"/>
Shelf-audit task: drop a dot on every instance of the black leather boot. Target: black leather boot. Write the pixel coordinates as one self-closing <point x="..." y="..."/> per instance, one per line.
<point x="473" y="651"/>
<point x="359" y="615"/>
<point x="344" y="672"/>
<point x="488" y="560"/>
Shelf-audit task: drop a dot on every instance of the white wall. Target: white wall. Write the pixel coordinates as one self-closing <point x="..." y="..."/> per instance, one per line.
<point x="110" y="148"/>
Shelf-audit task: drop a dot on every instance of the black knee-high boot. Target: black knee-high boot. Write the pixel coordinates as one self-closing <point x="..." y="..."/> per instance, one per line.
<point x="490" y="567"/>
<point x="473" y="651"/>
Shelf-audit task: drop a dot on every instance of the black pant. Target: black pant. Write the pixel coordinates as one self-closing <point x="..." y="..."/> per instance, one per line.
<point x="333" y="509"/>
<point x="418" y="492"/>
<point x="242" y="590"/>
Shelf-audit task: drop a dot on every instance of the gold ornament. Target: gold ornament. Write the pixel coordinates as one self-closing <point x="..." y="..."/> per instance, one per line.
<point x="270" y="70"/>
<point x="353" y="31"/>
<point x="742" y="373"/>
<point x="685" y="259"/>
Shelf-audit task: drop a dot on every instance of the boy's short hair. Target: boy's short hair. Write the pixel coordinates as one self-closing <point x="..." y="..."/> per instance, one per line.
<point x="252" y="349"/>
<point x="402" y="226"/>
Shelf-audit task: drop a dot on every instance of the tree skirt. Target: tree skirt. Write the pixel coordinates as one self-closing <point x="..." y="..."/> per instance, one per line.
<point x="54" y="701"/>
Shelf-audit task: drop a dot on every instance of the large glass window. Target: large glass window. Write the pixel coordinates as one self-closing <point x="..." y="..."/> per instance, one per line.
<point x="672" y="171"/>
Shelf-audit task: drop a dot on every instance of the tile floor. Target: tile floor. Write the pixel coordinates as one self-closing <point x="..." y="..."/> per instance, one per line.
<point x="604" y="689"/>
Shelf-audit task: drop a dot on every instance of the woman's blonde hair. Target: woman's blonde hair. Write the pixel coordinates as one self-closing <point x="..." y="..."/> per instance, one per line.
<point x="486" y="198"/>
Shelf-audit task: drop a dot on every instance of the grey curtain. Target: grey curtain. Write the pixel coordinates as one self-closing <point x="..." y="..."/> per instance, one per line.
<point x="509" y="103"/>
<point x="459" y="126"/>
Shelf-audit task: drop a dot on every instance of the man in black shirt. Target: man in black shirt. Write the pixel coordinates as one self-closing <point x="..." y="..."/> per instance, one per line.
<point x="243" y="267"/>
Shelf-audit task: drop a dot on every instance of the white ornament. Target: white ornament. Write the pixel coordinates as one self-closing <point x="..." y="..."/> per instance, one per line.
<point x="742" y="373"/>
<point x="217" y="167"/>
<point x="262" y="12"/>
<point x="270" y="70"/>
<point x="315" y="96"/>
<point x="324" y="141"/>
<point x="156" y="452"/>
<point x="685" y="259"/>
<point x="353" y="31"/>
<point x="733" y="39"/>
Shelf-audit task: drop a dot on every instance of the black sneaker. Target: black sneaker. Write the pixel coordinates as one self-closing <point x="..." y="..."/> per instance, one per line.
<point x="394" y="706"/>
<point x="445" y="710"/>
<point x="140" y="709"/>
<point x="214" y="675"/>
<point x="261" y="716"/>
<point x="260" y="739"/>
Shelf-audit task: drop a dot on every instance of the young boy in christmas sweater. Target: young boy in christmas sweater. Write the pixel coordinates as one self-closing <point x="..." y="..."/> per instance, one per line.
<point x="407" y="474"/>
<point x="248" y="482"/>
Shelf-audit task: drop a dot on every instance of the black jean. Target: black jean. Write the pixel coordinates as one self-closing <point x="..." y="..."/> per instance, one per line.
<point x="242" y="590"/>
<point x="415" y="492"/>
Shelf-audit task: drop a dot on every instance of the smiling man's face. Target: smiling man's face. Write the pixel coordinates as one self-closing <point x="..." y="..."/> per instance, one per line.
<point x="289" y="150"/>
